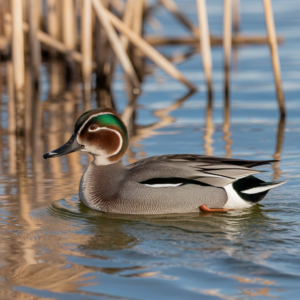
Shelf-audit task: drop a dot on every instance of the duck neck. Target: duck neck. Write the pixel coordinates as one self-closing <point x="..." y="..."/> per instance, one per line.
<point x="98" y="183"/>
<point x="100" y="160"/>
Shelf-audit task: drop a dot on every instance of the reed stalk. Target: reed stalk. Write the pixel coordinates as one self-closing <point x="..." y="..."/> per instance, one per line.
<point x="73" y="159"/>
<point x="209" y="127"/>
<point x="61" y="21"/>
<point x="1" y="19"/>
<point x="35" y="48"/>
<point x="227" y="45"/>
<point x="3" y="44"/>
<point x="137" y="26"/>
<point x="274" y="54"/>
<point x="118" y="6"/>
<point x="128" y="21"/>
<point x="148" y="50"/>
<point x="53" y="19"/>
<point x="236" y="15"/>
<point x="227" y="34"/>
<point x="68" y="24"/>
<point x="172" y="7"/>
<point x="7" y="27"/>
<point x="115" y="42"/>
<point x="237" y="40"/>
<point x="279" y="147"/>
<point x="49" y="41"/>
<point x="18" y="44"/>
<point x="101" y="53"/>
<point x="11" y="103"/>
<point x="205" y="43"/>
<point x="18" y="62"/>
<point x="226" y="126"/>
<point x="28" y="92"/>
<point x="86" y="50"/>
<point x="86" y="40"/>
<point x="11" y="119"/>
<point x="53" y="129"/>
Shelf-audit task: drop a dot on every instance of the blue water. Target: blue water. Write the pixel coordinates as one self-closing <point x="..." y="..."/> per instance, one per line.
<point x="59" y="249"/>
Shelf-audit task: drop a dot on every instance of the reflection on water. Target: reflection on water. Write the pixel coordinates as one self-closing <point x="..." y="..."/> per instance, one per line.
<point x="209" y="129"/>
<point x="60" y="249"/>
<point x="279" y="146"/>
<point x="64" y="247"/>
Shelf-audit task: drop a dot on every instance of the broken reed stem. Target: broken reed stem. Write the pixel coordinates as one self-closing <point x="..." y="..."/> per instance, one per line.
<point x="116" y="45"/>
<point x="148" y="50"/>
<point x="274" y="54"/>
<point x="205" y="43"/>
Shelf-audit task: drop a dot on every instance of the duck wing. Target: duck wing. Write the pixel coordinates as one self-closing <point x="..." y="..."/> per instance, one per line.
<point x="190" y="168"/>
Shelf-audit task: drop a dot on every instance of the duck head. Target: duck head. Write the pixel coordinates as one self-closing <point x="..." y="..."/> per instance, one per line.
<point x="99" y="132"/>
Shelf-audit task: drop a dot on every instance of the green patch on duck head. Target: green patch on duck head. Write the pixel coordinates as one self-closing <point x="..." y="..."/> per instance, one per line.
<point x="103" y="117"/>
<point x="85" y="116"/>
<point x="110" y="121"/>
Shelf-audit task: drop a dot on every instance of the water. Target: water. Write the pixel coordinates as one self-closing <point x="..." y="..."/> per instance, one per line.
<point x="59" y="249"/>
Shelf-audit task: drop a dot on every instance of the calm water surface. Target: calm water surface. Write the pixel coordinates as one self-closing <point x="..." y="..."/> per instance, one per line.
<point x="53" y="247"/>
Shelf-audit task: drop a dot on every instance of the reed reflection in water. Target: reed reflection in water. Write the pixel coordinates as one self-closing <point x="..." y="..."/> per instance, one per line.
<point x="60" y="249"/>
<point x="30" y="253"/>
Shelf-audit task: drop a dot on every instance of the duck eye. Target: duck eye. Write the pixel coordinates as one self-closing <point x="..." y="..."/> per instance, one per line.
<point x="93" y="127"/>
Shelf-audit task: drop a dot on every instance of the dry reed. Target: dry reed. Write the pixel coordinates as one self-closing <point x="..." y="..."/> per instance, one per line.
<point x="97" y="34"/>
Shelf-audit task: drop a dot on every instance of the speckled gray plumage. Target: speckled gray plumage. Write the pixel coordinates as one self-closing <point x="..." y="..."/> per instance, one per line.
<point x="117" y="188"/>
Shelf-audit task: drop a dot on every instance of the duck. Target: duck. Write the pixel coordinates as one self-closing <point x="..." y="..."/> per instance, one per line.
<point x="164" y="184"/>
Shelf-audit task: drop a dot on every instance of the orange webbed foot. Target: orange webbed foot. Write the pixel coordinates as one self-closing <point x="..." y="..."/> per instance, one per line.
<point x="206" y="209"/>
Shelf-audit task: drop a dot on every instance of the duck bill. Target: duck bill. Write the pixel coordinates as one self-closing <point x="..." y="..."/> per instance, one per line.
<point x="70" y="146"/>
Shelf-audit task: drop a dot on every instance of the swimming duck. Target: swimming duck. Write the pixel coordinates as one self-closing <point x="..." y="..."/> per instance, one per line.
<point x="178" y="183"/>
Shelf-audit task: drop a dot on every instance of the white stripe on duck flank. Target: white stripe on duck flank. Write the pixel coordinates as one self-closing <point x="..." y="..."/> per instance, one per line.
<point x="158" y="185"/>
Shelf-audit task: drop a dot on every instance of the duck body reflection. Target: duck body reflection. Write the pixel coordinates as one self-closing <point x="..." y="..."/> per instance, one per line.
<point x="156" y="185"/>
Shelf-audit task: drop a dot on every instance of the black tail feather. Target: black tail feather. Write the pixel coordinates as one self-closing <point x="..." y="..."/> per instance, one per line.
<point x="250" y="182"/>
